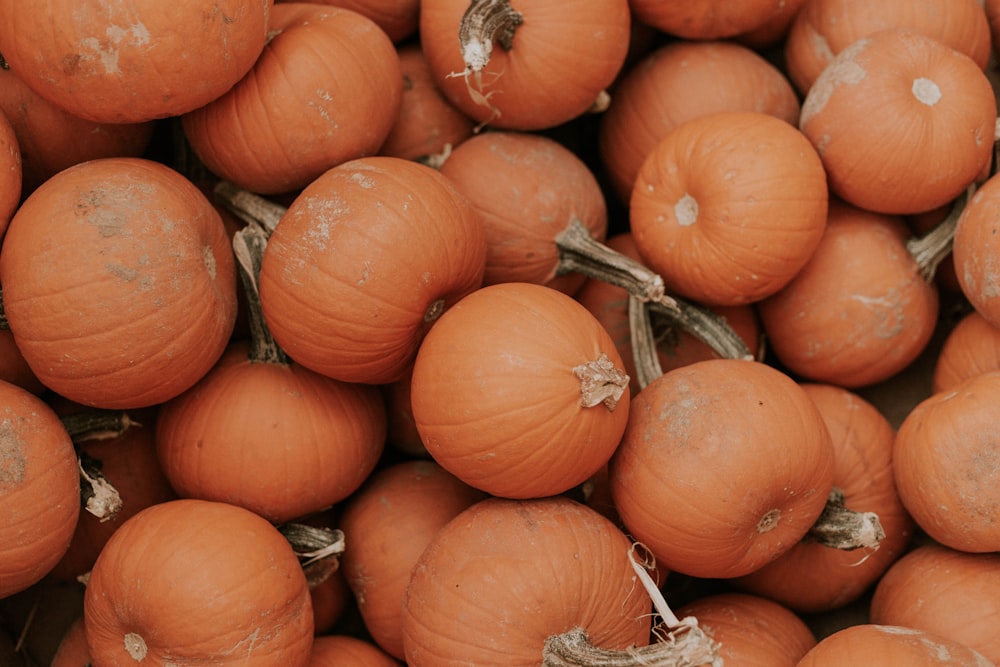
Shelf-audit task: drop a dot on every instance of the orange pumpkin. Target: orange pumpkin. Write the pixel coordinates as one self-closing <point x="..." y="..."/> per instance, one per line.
<point x="550" y="566"/>
<point x="531" y="66"/>
<point x="706" y="19"/>
<point x="876" y="98"/>
<point x="729" y="207"/>
<point x="681" y="81"/>
<point x="326" y="89"/>
<point x="972" y="347"/>
<point x="724" y="466"/>
<point x="331" y="600"/>
<point x="890" y="646"/>
<point x="512" y="179"/>
<point x="72" y="649"/>
<point x="10" y="172"/>
<point x="950" y="593"/>
<point x="824" y="28"/>
<point x="14" y="368"/>
<point x="127" y="61"/>
<point x="519" y="391"/>
<point x="398" y="18"/>
<point x="224" y="588"/>
<point x="860" y="310"/>
<point x="39" y="489"/>
<point x="147" y="268"/>
<point x="428" y="125"/>
<point x="812" y="577"/>
<point x="388" y="523"/>
<point x="976" y="248"/>
<point x="365" y="259"/>
<point x="751" y="631"/>
<point x="943" y="461"/>
<point x="347" y="651"/>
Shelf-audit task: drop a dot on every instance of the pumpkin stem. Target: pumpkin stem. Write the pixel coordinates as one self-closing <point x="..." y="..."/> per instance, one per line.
<point x="249" y="207"/>
<point x="933" y="247"/>
<point x="484" y="23"/>
<point x="97" y="495"/>
<point x="601" y="382"/>
<point x="248" y="247"/>
<point x="841" y="528"/>
<point x="97" y="425"/>
<point x="318" y="549"/>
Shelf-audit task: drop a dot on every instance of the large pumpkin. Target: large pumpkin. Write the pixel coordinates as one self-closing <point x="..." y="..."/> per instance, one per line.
<point x="519" y="391"/>
<point x="127" y="61"/>
<point x="118" y="283"/>
<point x="724" y="466"/>
<point x="198" y="582"/>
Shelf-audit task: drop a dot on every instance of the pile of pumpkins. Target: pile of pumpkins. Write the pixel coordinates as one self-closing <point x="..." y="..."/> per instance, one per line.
<point x="438" y="332"/>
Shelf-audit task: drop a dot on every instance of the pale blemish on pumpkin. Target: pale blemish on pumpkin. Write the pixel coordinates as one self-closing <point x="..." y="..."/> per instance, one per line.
<point x="686" y="210"/>
<point x="926" y="91"/>
<point x="135" y="646"/>
<point x="363" y="181"/>
<point x="843" y="70"/>
<point x="820" y="47"/>
<point x="13" y="462"/>
<point x="769" y="521"/>
<point x="106" y="51"/>
<point x="889" y="313"/>
<point x="208" y="257"/>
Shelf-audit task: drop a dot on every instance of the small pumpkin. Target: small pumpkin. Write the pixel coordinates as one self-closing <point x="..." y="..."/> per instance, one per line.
<point x="747" y="441"/>
<point x="943" y="464"/>
<point x="970" y="348"/>
<point x="126" y="61"/>
<point x="14" y="368"/>
<point x="729" y="206"/>
<point x="39" y="489"/>
<point x="526" y="65"/>
<point x="388" y="523"/>
<point x="551" y="565"/>
<point x="347" y="651"/>
<point x="398" y="18"/>
<point x="145" y="294"/>
<point x="326" y="89"/>
<point x="195" y="581"/>
<point x="976" y="248"/>
<point x="10" y="172"/>
<point x="891" y="646"/>
<point x="706" y="19"/>
<point x="72" y="650"/>
<point x="944" y="591"/>
<point x="519" y="391"/>
<point x="866" y="110"/>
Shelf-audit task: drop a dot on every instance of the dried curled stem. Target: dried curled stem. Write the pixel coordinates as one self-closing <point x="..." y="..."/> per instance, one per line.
<point x="601" y="382"/>
<point x="841" y="528"/>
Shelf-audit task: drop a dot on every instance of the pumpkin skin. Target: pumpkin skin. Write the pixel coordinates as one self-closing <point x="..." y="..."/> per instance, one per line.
<point x="550" y="565"/>
<point x="225" y="438"/>
<point x="52" y="139"/>
<point x="13" y="367"/>
<point x="972" y="347"/>
<point x="10" y="173"/>
<point x="866" y="109"/>
<point x="326" y="89"/>
<point x="149" y="302"/>
<point x="363" y="262"/>
<point x="39" y="489"/>
<point x="947" y="592"/>
<point x="247" y="600"/>
<point x="824" y="28"/>
<point x="398" y="18"/>
<point x="496" y="397"/>
<point x="563" y="55"/>
<point x="388" y="523"/>
<point x="811" y="577"/>
<point x="706" y="19"/>
<point x="428" y="125"/>
<point x="511" y="178"/>
<point x="126" y="61"/>
<point x="890" y="646"/>
<point x="748" y="441"/>
<point x="752" y="631"/>
<point x="859" y="311"/>
<point x="347" y="651"/>
<point x="943" y="464"/>
<point x="729" y="206"/>
<point x="975" y="250"/>
<point x="72" y="650"/>
<point x="677" y="82"/>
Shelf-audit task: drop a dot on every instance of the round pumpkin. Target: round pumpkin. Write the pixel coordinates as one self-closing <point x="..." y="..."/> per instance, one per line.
<point x="144" y="297"/>
<point x="549" y="566"/>
<point x="127" y="61"/>
<point x="947" y="592"/>
<point x="398" y="18"/>
<point x="39" y="489"/>
<point x="887" y="102"/>
<point x="944" y="464"/>
<point x="724" y="465"/>
<point x="348" y="651"/>
<point x="706" y="19"/>
<point x="729" y="207"/>
<point x="972" y="347"/>
<point x="364" y="260"/>
<point x="519" y="391"/>
<point x="890" y="646"/>
<point x="530" y="65"/>
<point x="10" y="172"/>
<point x="72" y="650"/>
<point x="976" y="248"/>
<point x="198" y="582"/>
<point x="326" y="89"/>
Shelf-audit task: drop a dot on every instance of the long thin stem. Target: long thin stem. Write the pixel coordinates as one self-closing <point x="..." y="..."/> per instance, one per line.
<point x="933" y="247"/>
<point x="248" y="247"/>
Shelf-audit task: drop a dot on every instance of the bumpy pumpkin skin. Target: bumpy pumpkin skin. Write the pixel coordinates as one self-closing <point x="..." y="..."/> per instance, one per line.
<point x="724" y="466"/>
<point x="39" y="489"/>
<point x="194" y="582"/>
<point x="119" y="283"/>
<point x="126" y="61"/>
